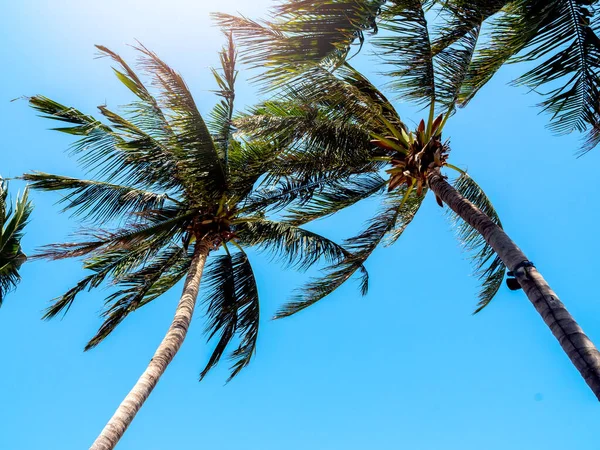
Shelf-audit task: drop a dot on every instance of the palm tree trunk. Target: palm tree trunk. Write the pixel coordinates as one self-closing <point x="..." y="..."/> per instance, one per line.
<point x="578" y="347"/>
<point x="118" y="423"/>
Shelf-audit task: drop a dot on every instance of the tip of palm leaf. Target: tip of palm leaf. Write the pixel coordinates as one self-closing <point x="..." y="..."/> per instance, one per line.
<point x="90" y="345"/>
<point x="281" y="315"/>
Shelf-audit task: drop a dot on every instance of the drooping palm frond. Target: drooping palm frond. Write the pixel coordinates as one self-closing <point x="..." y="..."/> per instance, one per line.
<point x="289" y="244"/>
<point x="489" y="268"/>
<point x="399" y="210"/>
<point x="115" y="254"/>
<point x="303" y="34"/>
<point x="232" y="308"/>
<point x="136" y="289"/>
<point x="12" y="225"/>
<point x="115" y="264"/>
<point x="574" y="104"/>
<point x="562" y="34"/>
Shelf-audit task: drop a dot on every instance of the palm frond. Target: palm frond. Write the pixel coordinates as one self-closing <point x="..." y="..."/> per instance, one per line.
<point x="304" y="34"/>
<point x="566" y="37"/>
<point x="289" y="244"/>
<point x="139" y="288"/>
<point x="284" y="193"/>
<point x="294" y="193"/>
<point x="489" y="268"/>
<point x="560" y="33"/>
<point x="407" y="49"/>
<point x="460" y="17"/>
<point x="248" y="161"/>
<point x="220" y="123"/>
<point x="409" y="202"/>
<point x="397" y="213"/>
<point x="233" y="309"/>
<point x="452" y="66"/>
<point x="115" y="263"/>
<point x="130" y="79"/>
<point x="12" y="226"/>
<point x="109" y="153"/>
<point x="146" y="118"/>
<point x="299" y="122"/>
<point x="200" y="165"/>
<point x="156" y="159"/>
<point x="63" y="303"/>
<point x="336" y="196"/>
<point x="344" y="95"/>
<point x="157" y="231"/>
<point x="97" y="146"/>
<point x="97" y="200"/>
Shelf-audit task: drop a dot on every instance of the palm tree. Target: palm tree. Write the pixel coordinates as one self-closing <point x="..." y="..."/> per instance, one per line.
<point x="166" y="191"/>
<point x="12" y="224"/>
<point x="561" y="36"/>
<point x="337" y="122"/>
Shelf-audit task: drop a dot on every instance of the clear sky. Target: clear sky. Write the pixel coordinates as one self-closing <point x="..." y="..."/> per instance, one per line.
<point x="407" y="367"/>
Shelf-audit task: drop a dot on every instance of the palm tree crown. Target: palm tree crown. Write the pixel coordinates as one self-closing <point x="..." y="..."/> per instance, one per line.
<point x="12" y="225"/>
<point x="163" y="180"/>
<point x="342" y="127"/>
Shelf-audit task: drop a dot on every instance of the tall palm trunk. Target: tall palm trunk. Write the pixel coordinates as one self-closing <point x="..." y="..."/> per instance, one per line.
<point x="578" y="347"/>
<point x="118" y="423"/>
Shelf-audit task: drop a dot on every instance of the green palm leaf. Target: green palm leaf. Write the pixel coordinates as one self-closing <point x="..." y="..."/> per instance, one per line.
<point x="136" y="289"/>
<point x="200" y="165"/>
<point x="458" y="18"/>
<point x="97" y="200"/>
<point x="453" y="64"/>
<point x="392" y="220"/>
<point x="289" y="244"/>
<point x="12" y="226"/>
<point x="221" y="120"/>
<point x="307" y="33"/>
<point x="489" y="268"/>
<point x="335" y="197"/>
<point x="233" y="309"/>
<point x="562" y="35"/>
<point x="156" y="230"/>
<point x="408" y="50"/>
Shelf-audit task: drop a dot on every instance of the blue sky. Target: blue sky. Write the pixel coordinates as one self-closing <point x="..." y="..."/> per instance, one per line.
<point x="406" y="367"/>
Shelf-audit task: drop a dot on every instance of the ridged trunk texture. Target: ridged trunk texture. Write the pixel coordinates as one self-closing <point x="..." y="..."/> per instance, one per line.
<point x="578" y="347"/>
<point x="122" y="418"/>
